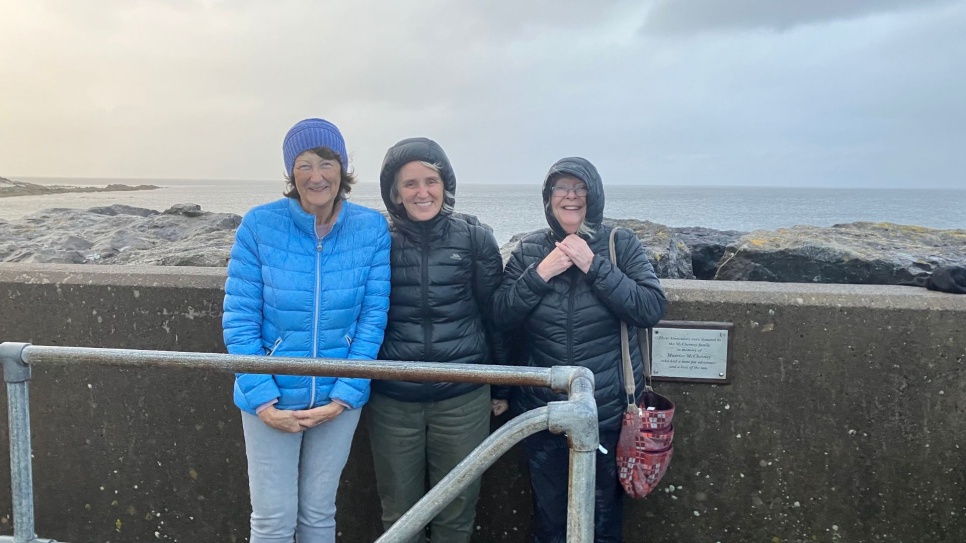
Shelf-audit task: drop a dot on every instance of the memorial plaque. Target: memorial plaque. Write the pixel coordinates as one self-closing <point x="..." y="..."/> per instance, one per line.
<point x="691" y="351"/>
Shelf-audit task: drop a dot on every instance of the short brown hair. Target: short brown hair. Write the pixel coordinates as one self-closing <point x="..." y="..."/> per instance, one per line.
<point x="346" y="178"/>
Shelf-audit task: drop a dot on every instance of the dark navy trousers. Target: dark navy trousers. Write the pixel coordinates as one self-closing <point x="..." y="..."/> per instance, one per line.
<point x="548" y="457"/>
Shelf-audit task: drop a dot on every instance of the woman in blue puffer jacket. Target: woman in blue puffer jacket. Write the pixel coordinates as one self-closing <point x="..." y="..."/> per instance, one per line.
<point x="308" y="277"/>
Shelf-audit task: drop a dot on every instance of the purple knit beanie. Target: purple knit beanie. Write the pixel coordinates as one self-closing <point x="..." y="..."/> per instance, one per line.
<point x="309" y="134"/>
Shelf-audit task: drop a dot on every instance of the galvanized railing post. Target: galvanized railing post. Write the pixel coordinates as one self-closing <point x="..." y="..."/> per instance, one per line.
<point x="16" y="373"/>
<point x="578" y="419"/>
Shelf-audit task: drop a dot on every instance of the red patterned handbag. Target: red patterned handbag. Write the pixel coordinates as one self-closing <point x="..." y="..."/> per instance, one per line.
<point x="644" y="449"/>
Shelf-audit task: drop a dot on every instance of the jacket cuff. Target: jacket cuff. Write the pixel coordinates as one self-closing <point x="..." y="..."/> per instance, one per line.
<point x="500" y="392"/>
<point x="534" y="282"/>
<point x="353" y="392"/>
<point x="594" y="270"/>
<point x="261" y="393"/>
<point x="265" y="406"/>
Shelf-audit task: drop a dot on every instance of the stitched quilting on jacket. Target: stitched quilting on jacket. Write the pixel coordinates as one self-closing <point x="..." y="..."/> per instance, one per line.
<point x="291" y="294"/>
<point x="444" y="273"/>
<point x="574" y="319"/>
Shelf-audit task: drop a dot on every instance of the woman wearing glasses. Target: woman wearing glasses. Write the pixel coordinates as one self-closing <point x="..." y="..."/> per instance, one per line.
<point x="562" y="293"/>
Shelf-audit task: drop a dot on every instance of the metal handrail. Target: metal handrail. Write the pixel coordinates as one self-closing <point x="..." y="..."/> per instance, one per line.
<point x="577" y="417"/>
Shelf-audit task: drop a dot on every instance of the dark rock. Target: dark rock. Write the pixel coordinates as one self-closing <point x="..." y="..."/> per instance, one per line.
<point x="121" y="209"/>
<point x="187" y="210"/>
<point x="666" y="250"/>
<point x="951" y="279"/>
<point x="74" y="243"/>
<point x="855" y="253"/>
<point x="65" y="257"/>
<point x="229" y="222"/>
<point x="126" y="240"/>
<point x="508" y="247"/>
<point x="707" y="247"/>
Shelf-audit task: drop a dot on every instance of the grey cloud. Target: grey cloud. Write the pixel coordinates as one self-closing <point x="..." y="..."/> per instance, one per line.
<point x="696" y="16"/>
<point x="208" y="89"/>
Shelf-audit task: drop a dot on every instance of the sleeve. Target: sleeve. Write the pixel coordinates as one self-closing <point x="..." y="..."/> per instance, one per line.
<point x="371" y="325"/>
<point x="486" y="280"/>
<point x="521" y="289"/>
<point x="630" y="290"/>
<point x="242" y="318"/>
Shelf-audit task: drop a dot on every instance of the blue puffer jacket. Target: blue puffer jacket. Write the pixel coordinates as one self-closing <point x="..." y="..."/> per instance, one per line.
<point x="291" y="294"/>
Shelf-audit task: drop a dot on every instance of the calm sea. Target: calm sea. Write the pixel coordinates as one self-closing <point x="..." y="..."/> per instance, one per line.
<point x="512" y="209"/>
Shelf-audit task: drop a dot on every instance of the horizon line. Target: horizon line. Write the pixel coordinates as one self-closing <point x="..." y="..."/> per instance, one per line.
<point x="616" y="183"/>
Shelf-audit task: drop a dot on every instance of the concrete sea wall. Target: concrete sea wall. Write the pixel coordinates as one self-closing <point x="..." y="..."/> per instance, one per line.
<point x="843" y="421"/>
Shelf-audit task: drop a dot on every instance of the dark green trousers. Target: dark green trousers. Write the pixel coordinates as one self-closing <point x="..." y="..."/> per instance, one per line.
<point x="415" y="440"/>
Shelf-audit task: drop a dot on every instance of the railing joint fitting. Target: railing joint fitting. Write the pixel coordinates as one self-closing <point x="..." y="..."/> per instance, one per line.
<point x="15" y="369"/>
<point x="576" y="419"/>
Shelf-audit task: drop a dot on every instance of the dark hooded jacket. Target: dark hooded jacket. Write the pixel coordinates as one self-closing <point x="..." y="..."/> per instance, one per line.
<point x="444" y="273"/>
<point x="574" y="319"/>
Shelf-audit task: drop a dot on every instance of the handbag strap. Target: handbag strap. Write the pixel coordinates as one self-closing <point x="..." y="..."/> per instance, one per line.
<point x="642" y="342"/>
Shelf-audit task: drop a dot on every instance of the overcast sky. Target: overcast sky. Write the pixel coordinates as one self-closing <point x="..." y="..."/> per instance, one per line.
<point x="859" y="93"/>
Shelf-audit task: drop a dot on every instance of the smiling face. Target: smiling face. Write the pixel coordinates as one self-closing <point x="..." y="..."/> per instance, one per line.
<point x="568" y="207"/>
<point x="317" y="180"/>
<point x="420" y="191"/>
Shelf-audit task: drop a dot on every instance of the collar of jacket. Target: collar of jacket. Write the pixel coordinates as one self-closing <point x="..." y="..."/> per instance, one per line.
<point x="305" y="221"/>
<point x="415" y="229"/>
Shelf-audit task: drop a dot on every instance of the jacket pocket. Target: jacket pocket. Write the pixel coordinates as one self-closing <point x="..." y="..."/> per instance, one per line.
<point x="271" y="350"/>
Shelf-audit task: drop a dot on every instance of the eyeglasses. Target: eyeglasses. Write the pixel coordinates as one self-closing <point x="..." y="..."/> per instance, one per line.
<point x="562" y="190"/>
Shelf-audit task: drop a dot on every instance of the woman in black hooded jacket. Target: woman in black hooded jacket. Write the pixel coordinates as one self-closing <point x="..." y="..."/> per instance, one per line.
<point x="445" y="268"/>
<point x="562" y="293"/>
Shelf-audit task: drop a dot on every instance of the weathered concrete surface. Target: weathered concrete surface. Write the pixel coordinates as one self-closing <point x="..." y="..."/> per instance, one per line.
<point x="854" y="253"/>
<point x="843" y="421"/>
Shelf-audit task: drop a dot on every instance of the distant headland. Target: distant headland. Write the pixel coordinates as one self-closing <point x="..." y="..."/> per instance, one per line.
<point x="9" y="188"/>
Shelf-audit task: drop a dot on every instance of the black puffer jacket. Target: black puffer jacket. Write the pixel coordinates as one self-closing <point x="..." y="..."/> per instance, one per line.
<point x="444" y="273"/>
<point x="574" y="319"/>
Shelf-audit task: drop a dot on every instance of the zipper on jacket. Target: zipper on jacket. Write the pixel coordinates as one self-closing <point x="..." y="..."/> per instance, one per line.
<point x="570" y="323"/>
<point x="424" y="271"/>
<point x="274" y="347"/>
<point x="315" y="319"/>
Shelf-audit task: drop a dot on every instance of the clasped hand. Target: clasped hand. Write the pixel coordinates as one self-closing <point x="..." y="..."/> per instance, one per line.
<point x="296" y="421"/>
<point x="572" y="251"/>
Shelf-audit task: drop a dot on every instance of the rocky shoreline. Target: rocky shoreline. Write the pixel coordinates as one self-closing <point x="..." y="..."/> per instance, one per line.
<point x="9" y="188"/>
<point x="184" y="235"/>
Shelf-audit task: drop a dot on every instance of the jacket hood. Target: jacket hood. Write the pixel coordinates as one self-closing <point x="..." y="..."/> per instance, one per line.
<point x="582" y="169"/>
<point x="404" y="152"/>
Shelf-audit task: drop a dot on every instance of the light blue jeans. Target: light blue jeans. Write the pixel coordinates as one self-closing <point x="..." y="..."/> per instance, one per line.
<point x="293" y="478"/>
